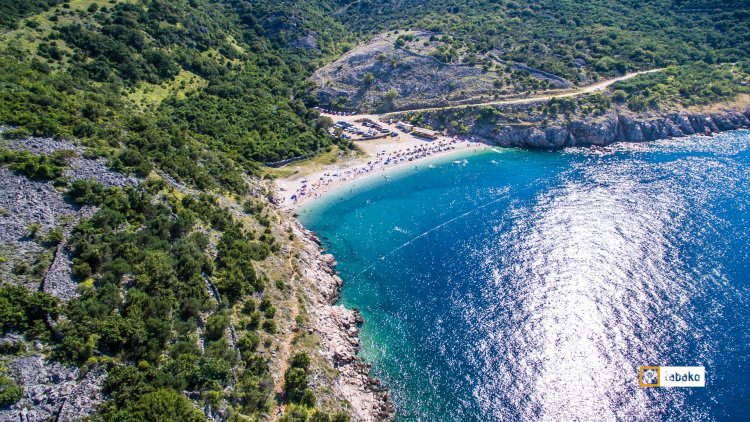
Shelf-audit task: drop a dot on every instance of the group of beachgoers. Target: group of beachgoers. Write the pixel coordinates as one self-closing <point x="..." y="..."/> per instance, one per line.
<point x="382" y="160"/>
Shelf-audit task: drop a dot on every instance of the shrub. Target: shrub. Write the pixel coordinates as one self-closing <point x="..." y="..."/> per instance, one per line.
<point x="368" y="78"/>
<point x="10" y="392"/>
<point x="21" y="309"/>
<point x="215" y="326"/>
<point x="300" y="360"/>
<point x="248" y="307"/>
<point x="269" y="326"/>
<point x="619" y="96"/>
<point x="248" y="343"/>
<point x="295" y="384"/>
<point x="165" y="405"/>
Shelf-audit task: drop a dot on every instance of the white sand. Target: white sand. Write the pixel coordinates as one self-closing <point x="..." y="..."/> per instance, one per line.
<point x="382" y="157"/>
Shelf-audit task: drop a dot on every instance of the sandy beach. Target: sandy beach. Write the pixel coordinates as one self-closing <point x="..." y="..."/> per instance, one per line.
<point x="299" y="189"/>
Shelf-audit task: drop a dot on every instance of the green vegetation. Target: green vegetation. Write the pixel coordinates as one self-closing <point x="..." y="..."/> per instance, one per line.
<point x="148" y="300"/>
<point x="10" y="392"/>
<point x="36" y="166"/>
<point x="686" y="86"/>
<point x="160" y="405"/>
<point x="143" y="265"/>
<point x="296" y="413"/>
<point x="206" y="92"/>
<point x="24" y="311"/>
<point x="228" y="100"/>
<point x="12" y="11"/>
<point x="576" y="40"/>
<point x="295" y="381"/>
<point x="301" y="398"/>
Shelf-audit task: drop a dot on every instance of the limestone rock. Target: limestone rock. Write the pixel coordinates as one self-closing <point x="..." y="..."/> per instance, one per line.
<point x="613" y="127"/>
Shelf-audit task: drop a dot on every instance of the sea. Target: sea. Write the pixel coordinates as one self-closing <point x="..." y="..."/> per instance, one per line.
<point x="507" y="284"/>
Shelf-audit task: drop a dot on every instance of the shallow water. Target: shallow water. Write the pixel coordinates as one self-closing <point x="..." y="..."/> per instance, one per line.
<point x="522" y="284"/>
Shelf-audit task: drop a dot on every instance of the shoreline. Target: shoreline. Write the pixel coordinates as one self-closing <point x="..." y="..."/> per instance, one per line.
<point x="338" y="328"/>
<point x="337" y="325"/>
<point x="617" y="125"/>
<point x="294" y="192"/>
<point x="322" y="191"/>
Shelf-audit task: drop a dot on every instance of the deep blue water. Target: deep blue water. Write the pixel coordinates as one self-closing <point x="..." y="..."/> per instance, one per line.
<point x="527" y="285"/>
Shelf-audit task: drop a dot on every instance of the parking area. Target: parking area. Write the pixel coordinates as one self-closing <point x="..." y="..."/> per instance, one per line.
<point x="362" y="130"/>
<point x="375" y="134"/>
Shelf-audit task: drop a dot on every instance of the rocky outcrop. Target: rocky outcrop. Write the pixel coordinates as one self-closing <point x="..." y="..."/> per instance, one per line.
<point x="613" y="127"/>
<point x="338" y="329"/>
<point x="24" y="202"/>
<point x="52" y="391"/>
<point x="419" y="79"/>
<point x="59" y="280"/>
<point x="79" y="167"/>
<point x="556" y="80"/>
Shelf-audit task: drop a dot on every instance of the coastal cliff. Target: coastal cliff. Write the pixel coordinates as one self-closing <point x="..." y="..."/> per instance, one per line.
<point x="302" y="297"/>
<point x="613" y="127"/>
<point x="338" y="330"/>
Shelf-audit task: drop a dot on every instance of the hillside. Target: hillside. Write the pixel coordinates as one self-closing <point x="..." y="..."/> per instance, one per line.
<point x="385" y="75"/>
<point x="474" y="51"/>
<point x="147" y="270"/>
<point x="144" y="270"/>
<point x="579" y="41"/>
<point x="672" y="102"/>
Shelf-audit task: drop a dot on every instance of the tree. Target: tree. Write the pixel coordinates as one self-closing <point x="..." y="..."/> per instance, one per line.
<point x="248" y="307"/>
<point x="10" y="392"/>
<point x="368" y="78"/>
<point x="308" y="398"/>
<point x="295" y="380"/>
<point x="295" y="384"/>
<point x="165" y="405"/>
<point x="248" y="343"/>
<point x="295" y="414"/>
<point x="389" y="97"/>
<point x="325" y="122"/>
<point x="21" y="309"/>
<point x="54" y="237"/>
<point x="215" y="326"/>
<point x="300" y="360"/>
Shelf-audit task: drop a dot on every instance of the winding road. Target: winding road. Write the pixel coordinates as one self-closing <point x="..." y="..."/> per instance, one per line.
<point x="599" y="86"/>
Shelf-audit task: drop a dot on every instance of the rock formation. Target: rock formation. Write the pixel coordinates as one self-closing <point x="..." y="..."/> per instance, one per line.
<point x="338" y="329"/>
<point x="53" y="391"/>
<point x="613" y="127"/>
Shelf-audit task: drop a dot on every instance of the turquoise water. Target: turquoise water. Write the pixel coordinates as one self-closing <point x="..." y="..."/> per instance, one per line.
<point x="515" y="284"/>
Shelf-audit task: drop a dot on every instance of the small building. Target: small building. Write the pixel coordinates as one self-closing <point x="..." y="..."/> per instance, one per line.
<point x="425" y="133"/>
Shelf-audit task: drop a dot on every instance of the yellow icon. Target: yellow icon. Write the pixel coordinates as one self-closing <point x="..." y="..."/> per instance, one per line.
<point x="649" y="376"/>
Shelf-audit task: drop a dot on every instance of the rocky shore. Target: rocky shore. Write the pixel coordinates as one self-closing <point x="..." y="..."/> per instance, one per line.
<point x="54" y="391"/>
<point x="338" y="329"/>
<point x="614" y="127"/>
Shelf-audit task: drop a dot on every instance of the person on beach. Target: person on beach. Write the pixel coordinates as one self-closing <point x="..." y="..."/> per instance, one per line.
<point x="393" y="157"/>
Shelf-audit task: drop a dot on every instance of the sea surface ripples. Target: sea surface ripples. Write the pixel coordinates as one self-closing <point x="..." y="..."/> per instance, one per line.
<point x="531" y="285"/>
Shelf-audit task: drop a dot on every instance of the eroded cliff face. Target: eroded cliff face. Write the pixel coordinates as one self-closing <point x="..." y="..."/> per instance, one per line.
<point x="338" y="330"/>
<point x="611" y="128"/>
